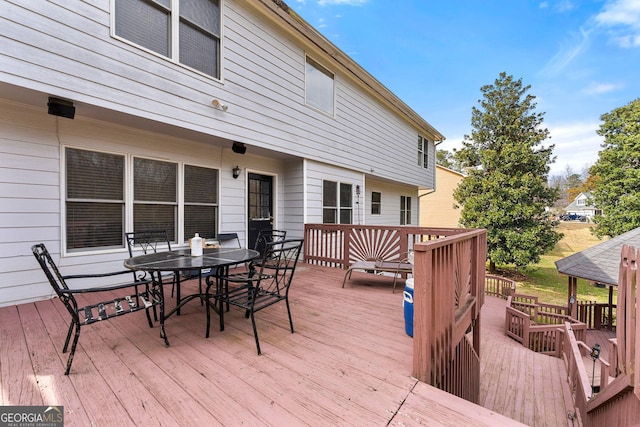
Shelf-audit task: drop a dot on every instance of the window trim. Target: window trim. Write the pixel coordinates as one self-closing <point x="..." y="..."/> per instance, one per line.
<point x="423" y="154"/>
<point x="308" y="60"/>
<point x="174" y="58"/>
<point x="378" y="204"/>
<point x="338" y="208"/>
<point x="405" y="214"/>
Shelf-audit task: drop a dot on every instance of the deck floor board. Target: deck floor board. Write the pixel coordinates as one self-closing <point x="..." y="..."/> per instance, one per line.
<point x="348" y="363"/>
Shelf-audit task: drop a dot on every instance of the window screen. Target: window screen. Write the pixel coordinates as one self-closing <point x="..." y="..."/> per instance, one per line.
<point x="200" y="201"/>
<point x="155" y="195"/>
<point x="94" y="199"/>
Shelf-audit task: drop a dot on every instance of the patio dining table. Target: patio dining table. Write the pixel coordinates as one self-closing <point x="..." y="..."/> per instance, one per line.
<point x="217" y="259"/>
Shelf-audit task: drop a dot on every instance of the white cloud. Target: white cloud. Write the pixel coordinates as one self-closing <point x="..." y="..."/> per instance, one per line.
<point x="576" y="145"/>
<point x="342" y="2"/>
<point x="559" y="6"/>
<point x="600" y="88"/>
<point x="622" y="19"/>
<point x="567" y="54"/>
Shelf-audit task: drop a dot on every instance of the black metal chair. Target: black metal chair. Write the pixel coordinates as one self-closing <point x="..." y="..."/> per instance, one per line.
<point x="141" y="295"/>
<point x="149" y="241"/>
<point x="268" y="236"/>
<point x="223" y="238"/>
<point x="263" y="288"/>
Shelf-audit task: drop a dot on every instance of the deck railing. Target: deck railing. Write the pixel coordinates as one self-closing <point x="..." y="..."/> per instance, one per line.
<point x="500" y="287"/>
<point x="538" y="326"/>
<point x="449" y="278"/>
<point x="448" y="295"/>
<point x="618" y="401"/>
<point x="597" y="315"/>
<point x="340" y="245"/>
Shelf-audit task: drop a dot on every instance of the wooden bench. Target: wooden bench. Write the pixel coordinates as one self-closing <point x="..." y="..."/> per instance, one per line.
<point x="397" y="266"/>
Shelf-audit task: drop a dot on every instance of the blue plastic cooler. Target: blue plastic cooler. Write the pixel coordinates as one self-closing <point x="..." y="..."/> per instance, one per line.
<point x="407" y="303"/>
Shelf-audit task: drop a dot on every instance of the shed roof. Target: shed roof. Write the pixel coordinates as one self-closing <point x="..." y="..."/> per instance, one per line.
<point x="601" y="262"/>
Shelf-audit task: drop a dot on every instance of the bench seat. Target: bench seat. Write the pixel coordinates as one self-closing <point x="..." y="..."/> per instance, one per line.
<point x="397" y="267"/>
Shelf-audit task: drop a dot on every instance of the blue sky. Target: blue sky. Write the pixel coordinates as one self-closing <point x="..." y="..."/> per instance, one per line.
<point x="581" y="58"/>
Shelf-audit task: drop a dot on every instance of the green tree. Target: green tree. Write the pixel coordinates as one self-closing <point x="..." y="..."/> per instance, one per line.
<point x="506" y="192"/>
<point x="446" y="159"/>
<point x="617" y="187"/>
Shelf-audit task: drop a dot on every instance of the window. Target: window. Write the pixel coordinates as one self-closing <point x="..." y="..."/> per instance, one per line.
<point x="94" y="199"/>
<point x="581" y="202"/>
<point x="376" y="203"/>
<point x="423" y="152"/>
<point x="346" y="204"/>
<point x="155" y="196"/>
<point x="332" y="212"/>
<point x="97" y="205"/>
<point x="405" y="210"/>
<point x="191" y="38"/>
<point x="319" y="87"/>
<point x="200" y="201"/>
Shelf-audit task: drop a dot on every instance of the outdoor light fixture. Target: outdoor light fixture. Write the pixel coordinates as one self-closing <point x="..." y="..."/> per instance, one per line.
<point x="236" y="172"/>
<point x="239" y="147"/>
<point x="219" y="105"/>
<point x="61" y="107"/>
<point x="595" y="355"/>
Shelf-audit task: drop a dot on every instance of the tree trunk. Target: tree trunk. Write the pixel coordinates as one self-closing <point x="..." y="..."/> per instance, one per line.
<point x="492" y="266"/>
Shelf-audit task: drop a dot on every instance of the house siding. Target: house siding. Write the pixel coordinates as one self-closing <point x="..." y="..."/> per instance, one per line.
<point x="73" y="53"/>
<point x="437" y="208"/>
<point x="390" y="203"/>
<point x="133" y="102"/>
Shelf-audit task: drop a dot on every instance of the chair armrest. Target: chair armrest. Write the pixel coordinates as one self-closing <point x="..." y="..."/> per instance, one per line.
<point x="86" y="276"/>
<point x="103" y="288"/>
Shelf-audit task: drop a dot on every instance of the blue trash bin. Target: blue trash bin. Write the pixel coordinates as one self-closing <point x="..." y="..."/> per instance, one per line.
<point x="407" y="303"/>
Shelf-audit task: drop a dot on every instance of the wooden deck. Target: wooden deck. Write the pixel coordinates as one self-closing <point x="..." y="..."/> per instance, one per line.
<point x="349" y="363"/>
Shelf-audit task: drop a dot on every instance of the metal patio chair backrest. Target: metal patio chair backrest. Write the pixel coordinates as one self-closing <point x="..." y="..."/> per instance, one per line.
<point x="139" y="295"/>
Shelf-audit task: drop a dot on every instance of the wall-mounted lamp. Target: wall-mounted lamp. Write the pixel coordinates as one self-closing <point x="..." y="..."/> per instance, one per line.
<point x="595" y="355"/>
<point x="236" y="172"/>
<point x="61" y="107"/>
<point x="219" y="105"/>
<point x="238" y="147"/>
<point x="358" y="190"/>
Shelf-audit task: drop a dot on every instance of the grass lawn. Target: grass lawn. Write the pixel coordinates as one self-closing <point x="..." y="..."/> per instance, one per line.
<point x="544" y="281"/>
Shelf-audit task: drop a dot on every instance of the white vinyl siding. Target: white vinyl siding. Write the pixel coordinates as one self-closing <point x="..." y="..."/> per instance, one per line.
<point x="263" y="84"/>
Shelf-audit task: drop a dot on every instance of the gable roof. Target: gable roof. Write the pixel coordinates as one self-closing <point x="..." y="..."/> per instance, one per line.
<point x="574" y="205"/>
<point x="601" y="262"/>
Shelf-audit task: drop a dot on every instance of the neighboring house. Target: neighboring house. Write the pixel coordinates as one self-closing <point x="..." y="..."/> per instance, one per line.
<point x="120" y="115"/>
<point x="437" y="207"/>
<point x="581" y="206"/>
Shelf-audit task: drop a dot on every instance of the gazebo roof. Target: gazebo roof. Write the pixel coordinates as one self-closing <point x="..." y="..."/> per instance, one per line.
<point x="601" y="262"/>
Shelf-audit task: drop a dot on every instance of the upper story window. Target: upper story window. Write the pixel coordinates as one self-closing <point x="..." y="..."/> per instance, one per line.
<point x="581" y="202"/>
<point x="405" y="210"/>
<point x="186" y="31"/>
<point x="423" y="152"/>
<point x="320" y="90"/>
<point x="376" y="203"/>
<point x="98" y="207"/>
<point x="337" y="203"/>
